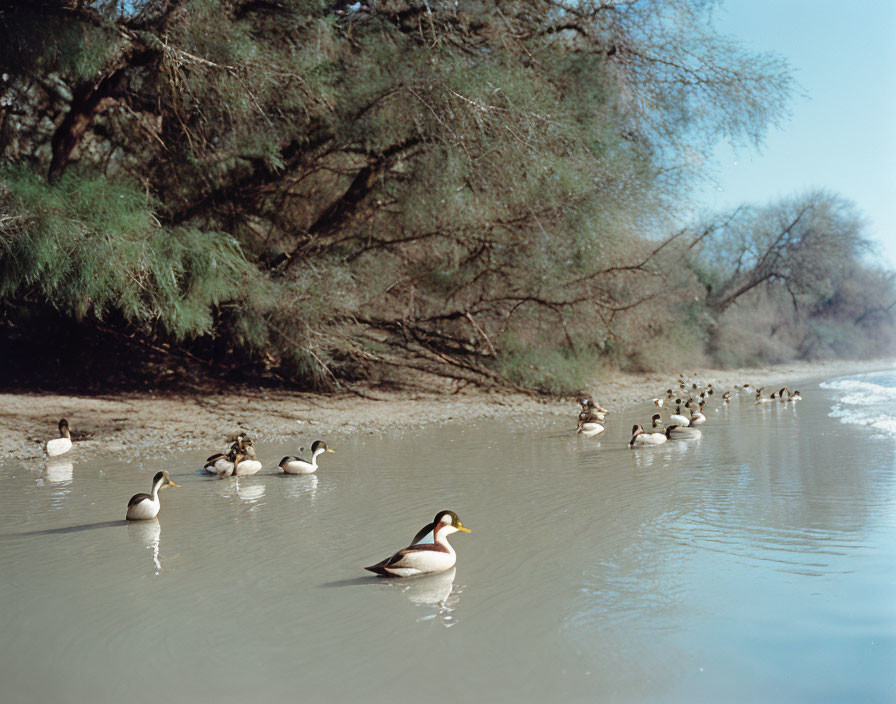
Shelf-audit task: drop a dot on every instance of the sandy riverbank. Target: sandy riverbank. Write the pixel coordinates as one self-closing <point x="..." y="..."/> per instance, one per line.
<point x="127" y="422"/>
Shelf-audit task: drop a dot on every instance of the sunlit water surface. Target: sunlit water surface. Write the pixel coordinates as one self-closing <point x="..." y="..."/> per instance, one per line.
<point x="756" y="564"/>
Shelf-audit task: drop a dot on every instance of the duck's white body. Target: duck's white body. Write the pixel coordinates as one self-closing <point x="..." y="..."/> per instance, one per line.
<point x="589" y="429"/>
<point x="145" y="509"/>
<point x="795" y="396"/>
<point x="221" y="465"/>
<point x="678" y="419"/>
<point x="432" y="553"/>
<point x="676" y="432"/>
<point x="59" y="446"/>
<point x="697" y="418"/>
<point x="247" y="467"/>
<point x="639" y="437"/>
<point x="648" y="439"/>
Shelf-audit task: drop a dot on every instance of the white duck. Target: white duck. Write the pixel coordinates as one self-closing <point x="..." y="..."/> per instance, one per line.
<point x="62" y="444"/>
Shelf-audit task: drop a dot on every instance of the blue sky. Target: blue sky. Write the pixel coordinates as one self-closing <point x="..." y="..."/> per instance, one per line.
<point x="842" y="134"/>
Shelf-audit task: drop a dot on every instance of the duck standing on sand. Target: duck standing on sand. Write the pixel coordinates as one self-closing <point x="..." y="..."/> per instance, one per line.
<point x="62" y="444"/>
<point x="296" y="465"/>
<point x="143" y="507"/>
<point x="428" y="552"/>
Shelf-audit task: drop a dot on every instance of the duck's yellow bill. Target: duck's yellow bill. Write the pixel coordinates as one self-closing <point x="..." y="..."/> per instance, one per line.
<point x="465" y="530"/>
<point x="171" y="483"/>
<point x="329" y="450"/>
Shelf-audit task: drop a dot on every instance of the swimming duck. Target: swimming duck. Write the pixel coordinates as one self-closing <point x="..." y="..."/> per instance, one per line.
<point x="428" y="552"/>
<point x="248" y="464"/>
<point x="781" y="393"/>
<point x="680" y="432"/>
<point x="143" y="507"/>
<point x="676" y="418"/>
<point x="795" y="396"/>
<point x="62" y="444"/>
<point x="760" y="399"/>
<point x="296" y="465"/>
<point x="222" y="463"/>
<point x="726" y="397"/>
<point x="658" y="402"/>
<point x="639" y="437"/>
<point x="588" y="425"/>
<point x="697" y="416"/>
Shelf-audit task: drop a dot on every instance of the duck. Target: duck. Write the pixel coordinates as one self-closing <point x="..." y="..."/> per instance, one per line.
<point x="726" y="397"/>
<point x="657" y="420"/>
<point x="296" y="465"/>
<point x="781" y="393"/>
<point x="697" y="417"/>
<point x="676" y="418"/>
<point x="247" y="464"/>
<point x="588" y="423"/>
<point x="795" y="396"/>
<point x="639" y="437"/>
<point x="584" y="399"/>
<point x="222" y="463"/>
<point x="144" y="507"/>
<point x="62" y="444"/>
<point x="681" y="432"/>
<point x="599" y="412"/>
<point x="760" y="399"/>
<point x="658" y="402"/>
<point x="428" y="552"/>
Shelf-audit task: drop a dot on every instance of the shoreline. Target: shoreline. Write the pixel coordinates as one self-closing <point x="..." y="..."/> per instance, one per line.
<point x="126" y="422"/>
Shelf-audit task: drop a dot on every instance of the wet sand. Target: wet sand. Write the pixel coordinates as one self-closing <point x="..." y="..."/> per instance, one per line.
<point x="126" y="423"/>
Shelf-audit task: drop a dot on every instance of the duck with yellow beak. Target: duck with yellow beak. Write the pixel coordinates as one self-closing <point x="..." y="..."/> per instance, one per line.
<point x="143" y="507"/>
<point x="428" y="552"/>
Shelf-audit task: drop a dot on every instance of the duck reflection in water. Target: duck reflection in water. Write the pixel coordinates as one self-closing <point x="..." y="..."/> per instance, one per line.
<point x="437" y="591"/>
<point x="58" y="471"/>
<point x="248" y="492"/>
<point x="148" y="534"/>
<point x="301" y="486"/>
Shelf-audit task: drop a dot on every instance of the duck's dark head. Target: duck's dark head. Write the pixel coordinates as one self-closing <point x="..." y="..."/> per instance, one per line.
<point x="320" y="446"/>
<point x="448" y="520"/>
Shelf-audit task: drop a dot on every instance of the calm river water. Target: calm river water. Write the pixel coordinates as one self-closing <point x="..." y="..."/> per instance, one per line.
<point x="757" y="563"/>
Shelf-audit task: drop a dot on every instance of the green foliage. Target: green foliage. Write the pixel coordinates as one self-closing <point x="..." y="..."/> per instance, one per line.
<point x="90" y="246"/>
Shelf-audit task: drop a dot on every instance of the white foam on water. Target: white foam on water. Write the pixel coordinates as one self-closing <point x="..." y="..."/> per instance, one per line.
<point x="868" y="399"/>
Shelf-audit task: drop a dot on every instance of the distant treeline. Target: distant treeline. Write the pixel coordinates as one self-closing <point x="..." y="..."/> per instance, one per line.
<point x="318" y="193"/>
